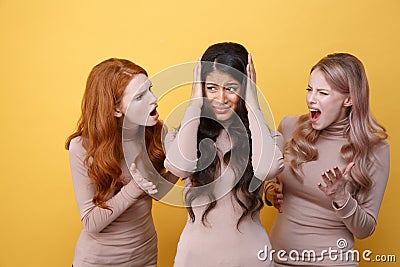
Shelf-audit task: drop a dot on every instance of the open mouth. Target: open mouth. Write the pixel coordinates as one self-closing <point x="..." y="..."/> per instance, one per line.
<point x="154" y="112"/>
<point x="314" y="114"/>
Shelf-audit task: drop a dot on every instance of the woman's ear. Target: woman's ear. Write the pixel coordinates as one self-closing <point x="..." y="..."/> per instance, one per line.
<point x="348" y="102"/>
<point x="117" y="113"/>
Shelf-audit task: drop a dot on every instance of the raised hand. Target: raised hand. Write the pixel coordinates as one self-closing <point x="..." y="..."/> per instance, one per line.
<point x="335" y="185"/>
<point x="196" y="99"/>
<point x="141" y="182"/>
<point x="251" y="98"/>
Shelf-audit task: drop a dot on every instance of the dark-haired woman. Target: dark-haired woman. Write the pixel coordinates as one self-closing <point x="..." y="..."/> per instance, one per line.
<point x="233" y="152"/>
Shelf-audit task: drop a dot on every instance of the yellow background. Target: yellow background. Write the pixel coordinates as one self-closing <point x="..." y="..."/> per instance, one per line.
<point x="48" y="47"/>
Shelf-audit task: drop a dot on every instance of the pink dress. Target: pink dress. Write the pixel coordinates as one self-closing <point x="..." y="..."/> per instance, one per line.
<point x="219" y="242"/>
<point x="125" y="238"/>
<point x="309" y="221"/>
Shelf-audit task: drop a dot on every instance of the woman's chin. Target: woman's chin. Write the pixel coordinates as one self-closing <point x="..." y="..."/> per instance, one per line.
<point x="151" y="121"/>
<point x="223" y="116"/>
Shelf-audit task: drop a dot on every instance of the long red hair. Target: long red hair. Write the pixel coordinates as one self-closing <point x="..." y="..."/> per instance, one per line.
<point x="101" y="131"/>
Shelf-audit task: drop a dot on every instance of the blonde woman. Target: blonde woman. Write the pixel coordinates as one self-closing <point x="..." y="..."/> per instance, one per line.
<point x="336" y="169"/>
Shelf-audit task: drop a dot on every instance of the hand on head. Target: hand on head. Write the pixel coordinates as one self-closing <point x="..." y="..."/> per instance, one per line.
<point x="251" y="98"/>
<point x="196" y="99"/>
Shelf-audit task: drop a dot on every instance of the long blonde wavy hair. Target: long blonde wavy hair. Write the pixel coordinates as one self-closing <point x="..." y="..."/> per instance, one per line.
<point x="345" y="74"/>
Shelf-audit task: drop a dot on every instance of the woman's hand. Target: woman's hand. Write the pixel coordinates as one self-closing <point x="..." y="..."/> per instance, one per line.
<point x="251" y="98"/>
<point x="196" y="99"/>
<point x="274" y="193"/>
<point x="141" y="182"/>
<point x="335" y="182"/>
<point x="278" y="196"/>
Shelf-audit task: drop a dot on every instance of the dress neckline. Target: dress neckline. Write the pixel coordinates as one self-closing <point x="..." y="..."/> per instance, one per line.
<point x="337" y="130"/>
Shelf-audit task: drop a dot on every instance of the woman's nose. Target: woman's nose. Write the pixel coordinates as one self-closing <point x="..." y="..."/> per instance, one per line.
<point x="153" y="98"/>
<point x="221" y="95"/>
<point x="311" y="98"/>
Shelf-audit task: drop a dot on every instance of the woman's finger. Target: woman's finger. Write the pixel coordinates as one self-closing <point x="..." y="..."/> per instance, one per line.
<point x="325" y="178"/>
<point x="133" y="167"/>
<point x="338" y="173"/>
<point x="251" y="69"/>
<point x="136" y="175"/>
<point x="197" y="92"/>
<point x="152" y="192"/>
<point x="322" y="188"/>
<point x="348" y="169"/>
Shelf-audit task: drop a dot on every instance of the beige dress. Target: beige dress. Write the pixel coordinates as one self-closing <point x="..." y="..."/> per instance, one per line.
<point x="309" y="221"/>
<point x="125" y="238"/>
<point x="219" y="242"/>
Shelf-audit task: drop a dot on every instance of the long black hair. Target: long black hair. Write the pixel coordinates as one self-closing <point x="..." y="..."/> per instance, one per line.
<point x="231" y="58"/>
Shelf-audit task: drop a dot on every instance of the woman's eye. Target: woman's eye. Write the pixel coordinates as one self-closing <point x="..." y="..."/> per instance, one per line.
<point x="308" y="89"/>
<point x="231" y="89"/>
<point x="211" y="88"/>
<point x="323" y="93"/>
<point x="139" y="97"/>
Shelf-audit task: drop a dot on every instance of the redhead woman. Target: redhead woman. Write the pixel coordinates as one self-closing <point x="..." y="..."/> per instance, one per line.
<point x="118" y="134"/>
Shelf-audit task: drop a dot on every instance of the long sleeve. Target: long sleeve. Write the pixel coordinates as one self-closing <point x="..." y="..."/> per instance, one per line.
<point x="269" y="188"/>
<point x="181" y="146"/>
<point x="361" y="218"/>
<point x="267" y="159"/>
<point x="95" y="219"/>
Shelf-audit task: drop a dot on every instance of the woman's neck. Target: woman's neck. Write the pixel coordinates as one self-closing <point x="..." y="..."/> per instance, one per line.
<point x="133" y="133"/>
<point x="133" y="143"/>
<point x="339" y="128"/>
